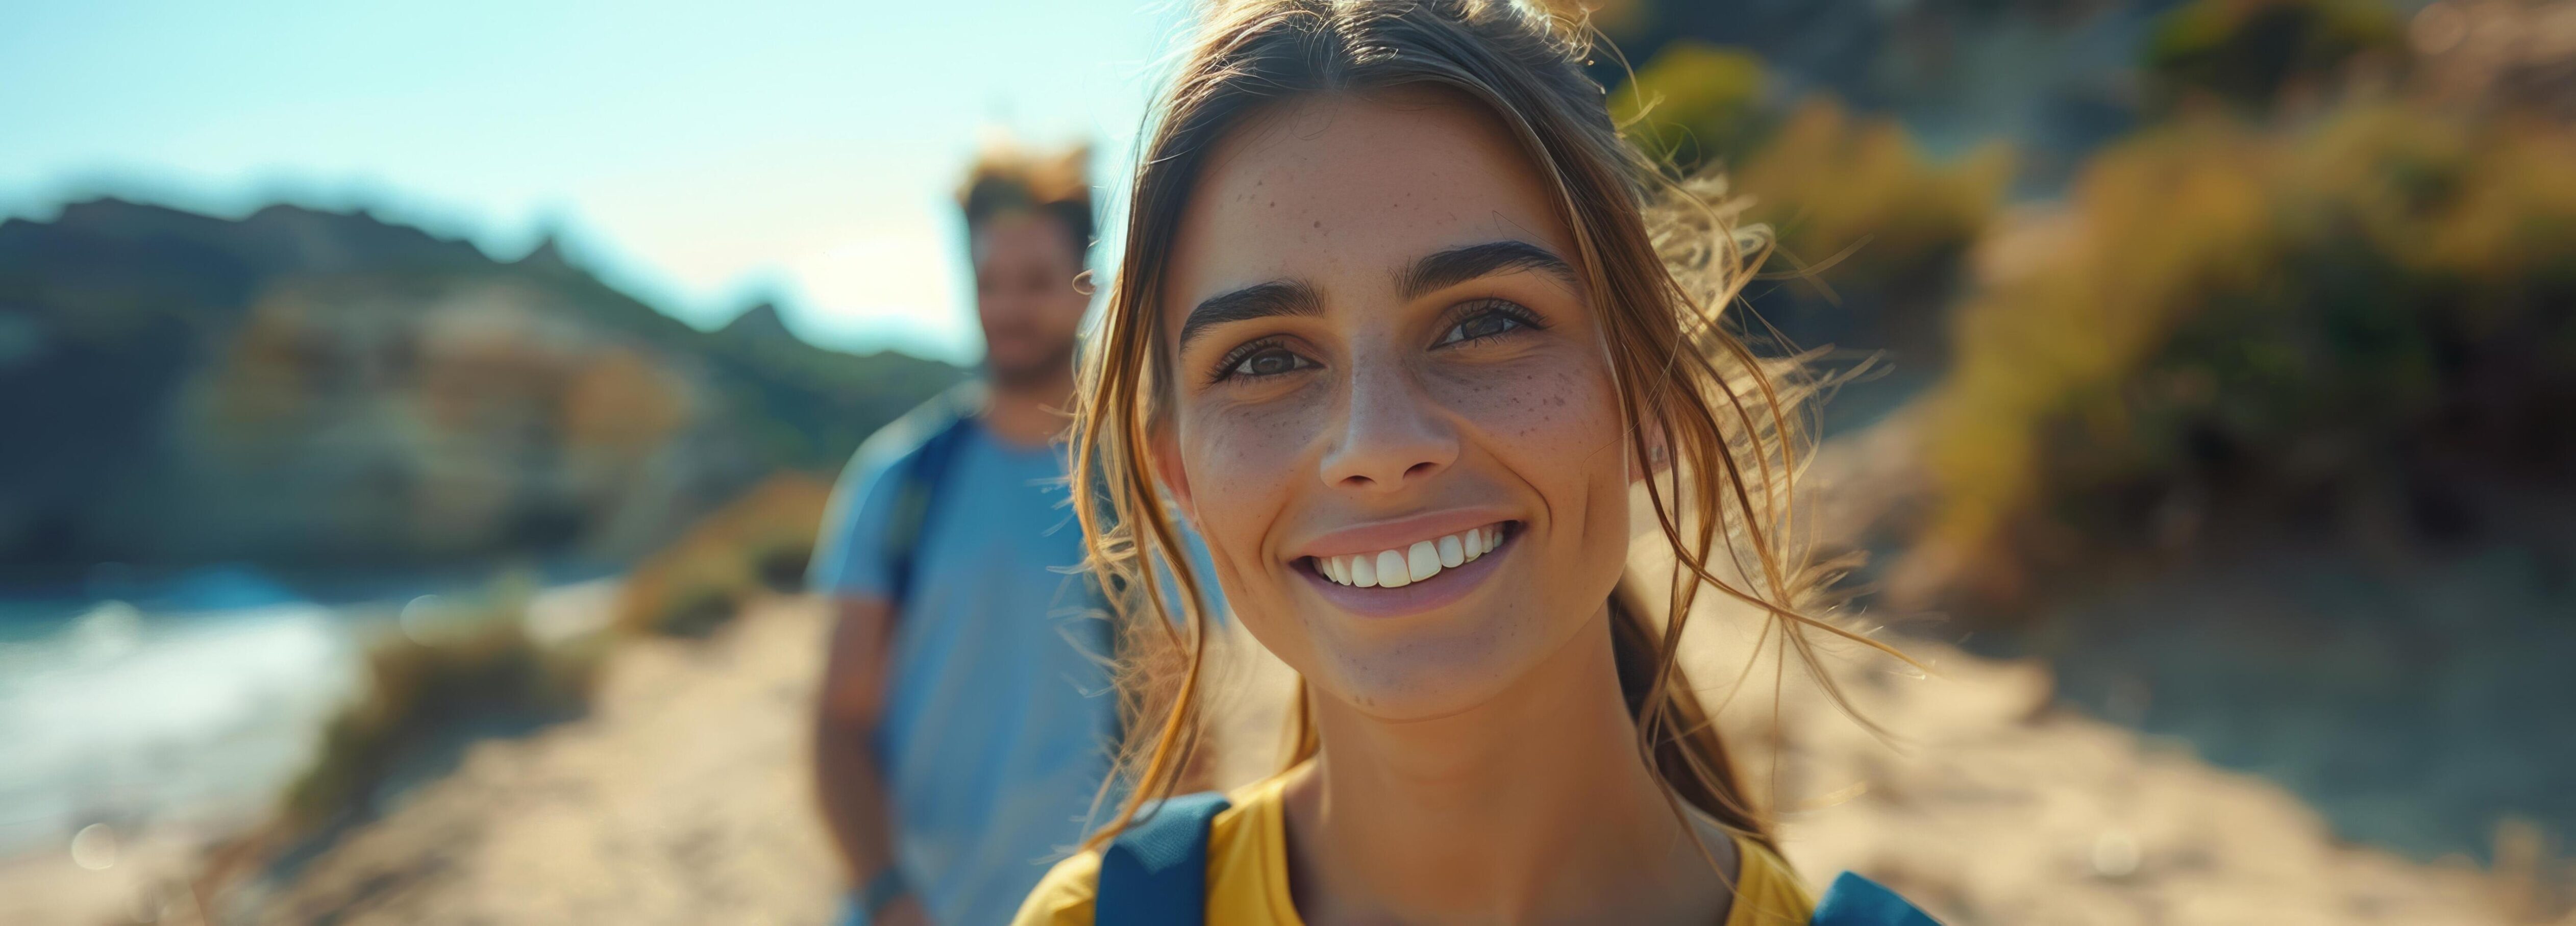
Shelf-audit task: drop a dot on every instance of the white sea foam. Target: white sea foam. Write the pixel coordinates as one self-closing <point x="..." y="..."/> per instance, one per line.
<point x="122" y="714"/>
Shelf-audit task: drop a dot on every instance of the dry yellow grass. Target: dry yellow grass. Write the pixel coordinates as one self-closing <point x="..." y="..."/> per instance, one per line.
<point x="2273" y="285"/>
<point x="759" y="541"/>
<point x="428" y="683"/>
<point x="1858" y="191"/>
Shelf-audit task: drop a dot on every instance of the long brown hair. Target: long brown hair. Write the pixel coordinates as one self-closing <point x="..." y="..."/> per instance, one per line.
<point x="1662" y="258"/>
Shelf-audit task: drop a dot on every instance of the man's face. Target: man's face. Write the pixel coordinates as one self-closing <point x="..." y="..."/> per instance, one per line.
<point x="1025" y="264"/>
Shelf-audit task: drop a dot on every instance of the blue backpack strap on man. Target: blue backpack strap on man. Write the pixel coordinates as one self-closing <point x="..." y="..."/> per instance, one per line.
<point x="948" y="418"/>
<point x="1155" y="874"/>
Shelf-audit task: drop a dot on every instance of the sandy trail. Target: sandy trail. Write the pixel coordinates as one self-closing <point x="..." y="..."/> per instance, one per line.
<point x="1991" y="806"/>
<point x="682" y="798"/>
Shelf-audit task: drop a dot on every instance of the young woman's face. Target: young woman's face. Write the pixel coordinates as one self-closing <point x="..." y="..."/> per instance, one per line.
<point x="1393" y="419"/>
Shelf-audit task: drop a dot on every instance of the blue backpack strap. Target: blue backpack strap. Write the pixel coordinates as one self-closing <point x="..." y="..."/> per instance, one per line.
<point x="952" y="415"/>
<point x="1155" y="873"/>
<point x="1853" y="900"/>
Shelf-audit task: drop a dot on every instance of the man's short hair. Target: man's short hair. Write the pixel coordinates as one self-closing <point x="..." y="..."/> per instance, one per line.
<point x="1007" y="180"/>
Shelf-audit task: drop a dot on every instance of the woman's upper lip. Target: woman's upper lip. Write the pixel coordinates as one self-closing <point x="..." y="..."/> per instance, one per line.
<point x="1397" y="533"/>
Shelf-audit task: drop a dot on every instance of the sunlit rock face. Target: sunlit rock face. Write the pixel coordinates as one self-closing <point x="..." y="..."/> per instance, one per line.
<point x="312" y="389"/>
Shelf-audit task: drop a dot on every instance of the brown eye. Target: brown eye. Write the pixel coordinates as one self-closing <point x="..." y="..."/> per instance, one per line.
<point x="1270" y="361"/>
<point x="1494" y="321"/>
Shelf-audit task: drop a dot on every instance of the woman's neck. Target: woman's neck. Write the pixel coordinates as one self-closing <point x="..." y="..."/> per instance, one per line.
<point x="1532" y="807"/>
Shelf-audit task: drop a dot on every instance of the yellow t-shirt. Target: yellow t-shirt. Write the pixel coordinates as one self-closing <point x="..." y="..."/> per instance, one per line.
<point x="1248" y="875"/>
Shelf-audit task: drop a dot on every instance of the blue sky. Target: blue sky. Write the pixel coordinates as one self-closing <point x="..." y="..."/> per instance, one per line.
<point x="696" y="154"/>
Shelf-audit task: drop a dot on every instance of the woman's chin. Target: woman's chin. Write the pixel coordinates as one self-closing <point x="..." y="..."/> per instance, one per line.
<point x="1422" y="678"/>
<point x="1414" y="705"/>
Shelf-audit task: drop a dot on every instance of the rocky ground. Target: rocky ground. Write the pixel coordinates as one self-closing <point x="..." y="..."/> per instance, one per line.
<point x="1989" y="804"/>
<point x="681" y="798"/>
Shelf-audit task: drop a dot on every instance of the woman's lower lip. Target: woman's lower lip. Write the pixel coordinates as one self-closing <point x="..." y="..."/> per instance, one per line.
<point x="1448" y="586"/>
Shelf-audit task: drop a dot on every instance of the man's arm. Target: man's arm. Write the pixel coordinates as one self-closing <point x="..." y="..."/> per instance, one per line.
<point x="846" y="778"/>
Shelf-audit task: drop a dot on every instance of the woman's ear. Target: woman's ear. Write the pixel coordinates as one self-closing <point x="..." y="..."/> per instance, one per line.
<point x="1166" y="453"/>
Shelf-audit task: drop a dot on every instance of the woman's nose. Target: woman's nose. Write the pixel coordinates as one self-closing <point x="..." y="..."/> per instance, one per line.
<point x="1392" y="434"/>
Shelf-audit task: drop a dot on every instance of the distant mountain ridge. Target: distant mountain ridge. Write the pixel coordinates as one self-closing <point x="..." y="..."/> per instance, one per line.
<point x="303" y="388"/>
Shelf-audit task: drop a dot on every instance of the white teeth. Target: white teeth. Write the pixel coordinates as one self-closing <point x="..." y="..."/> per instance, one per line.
<point x="1422" y="560"/>
<point x="1392" y="572"/>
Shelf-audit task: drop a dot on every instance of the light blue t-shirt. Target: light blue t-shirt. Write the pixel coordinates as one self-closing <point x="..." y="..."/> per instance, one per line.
<point x="999" y="713"/>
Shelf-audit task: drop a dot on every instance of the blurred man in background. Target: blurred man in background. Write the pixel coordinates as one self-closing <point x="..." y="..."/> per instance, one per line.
<point x="964" y="711"/>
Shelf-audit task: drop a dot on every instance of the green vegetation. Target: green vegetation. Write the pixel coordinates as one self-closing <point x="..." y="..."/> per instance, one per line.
<point x="2249" y="53"/>
<point x="2273" y="329"/>
<point x="474" y="670"/>
<point x="1859" y="189"/>
<point x="433" y="685"/>
<point x="1833" y="184"/>
<point x="759" y="542"/>
<point x="1695" y="104"/>
<point x="1877" y="226"/>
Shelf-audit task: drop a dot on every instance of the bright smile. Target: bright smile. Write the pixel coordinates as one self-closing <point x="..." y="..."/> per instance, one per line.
<point x="1413" y="577"/>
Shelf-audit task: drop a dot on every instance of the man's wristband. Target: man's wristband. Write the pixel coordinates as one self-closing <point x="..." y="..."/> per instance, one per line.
<point x="881" y="891"/>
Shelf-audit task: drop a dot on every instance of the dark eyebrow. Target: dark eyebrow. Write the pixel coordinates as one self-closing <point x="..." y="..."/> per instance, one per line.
<point x="1259" y="300"/>
<point x="1444" y="269"/>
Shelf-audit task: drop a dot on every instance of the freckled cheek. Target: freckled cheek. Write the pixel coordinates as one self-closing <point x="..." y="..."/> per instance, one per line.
<point x="1556" y="427"/>
<point x="1242" y="463"/>
<point x="1553" y="416"/>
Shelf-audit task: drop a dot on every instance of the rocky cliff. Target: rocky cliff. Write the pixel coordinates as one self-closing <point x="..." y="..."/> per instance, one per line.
<point x="306" y="389"/>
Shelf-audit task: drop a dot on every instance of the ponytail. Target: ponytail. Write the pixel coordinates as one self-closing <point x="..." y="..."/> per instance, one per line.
<point x="1681" y="743"/>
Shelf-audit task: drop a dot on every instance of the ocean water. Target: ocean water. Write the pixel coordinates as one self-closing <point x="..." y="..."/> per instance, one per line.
<point x="113" y="713"/>
<point x="189" y="701"/>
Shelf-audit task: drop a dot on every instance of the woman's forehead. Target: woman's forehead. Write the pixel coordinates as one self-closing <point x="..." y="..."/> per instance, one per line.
<point x="1342" y="191"/>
